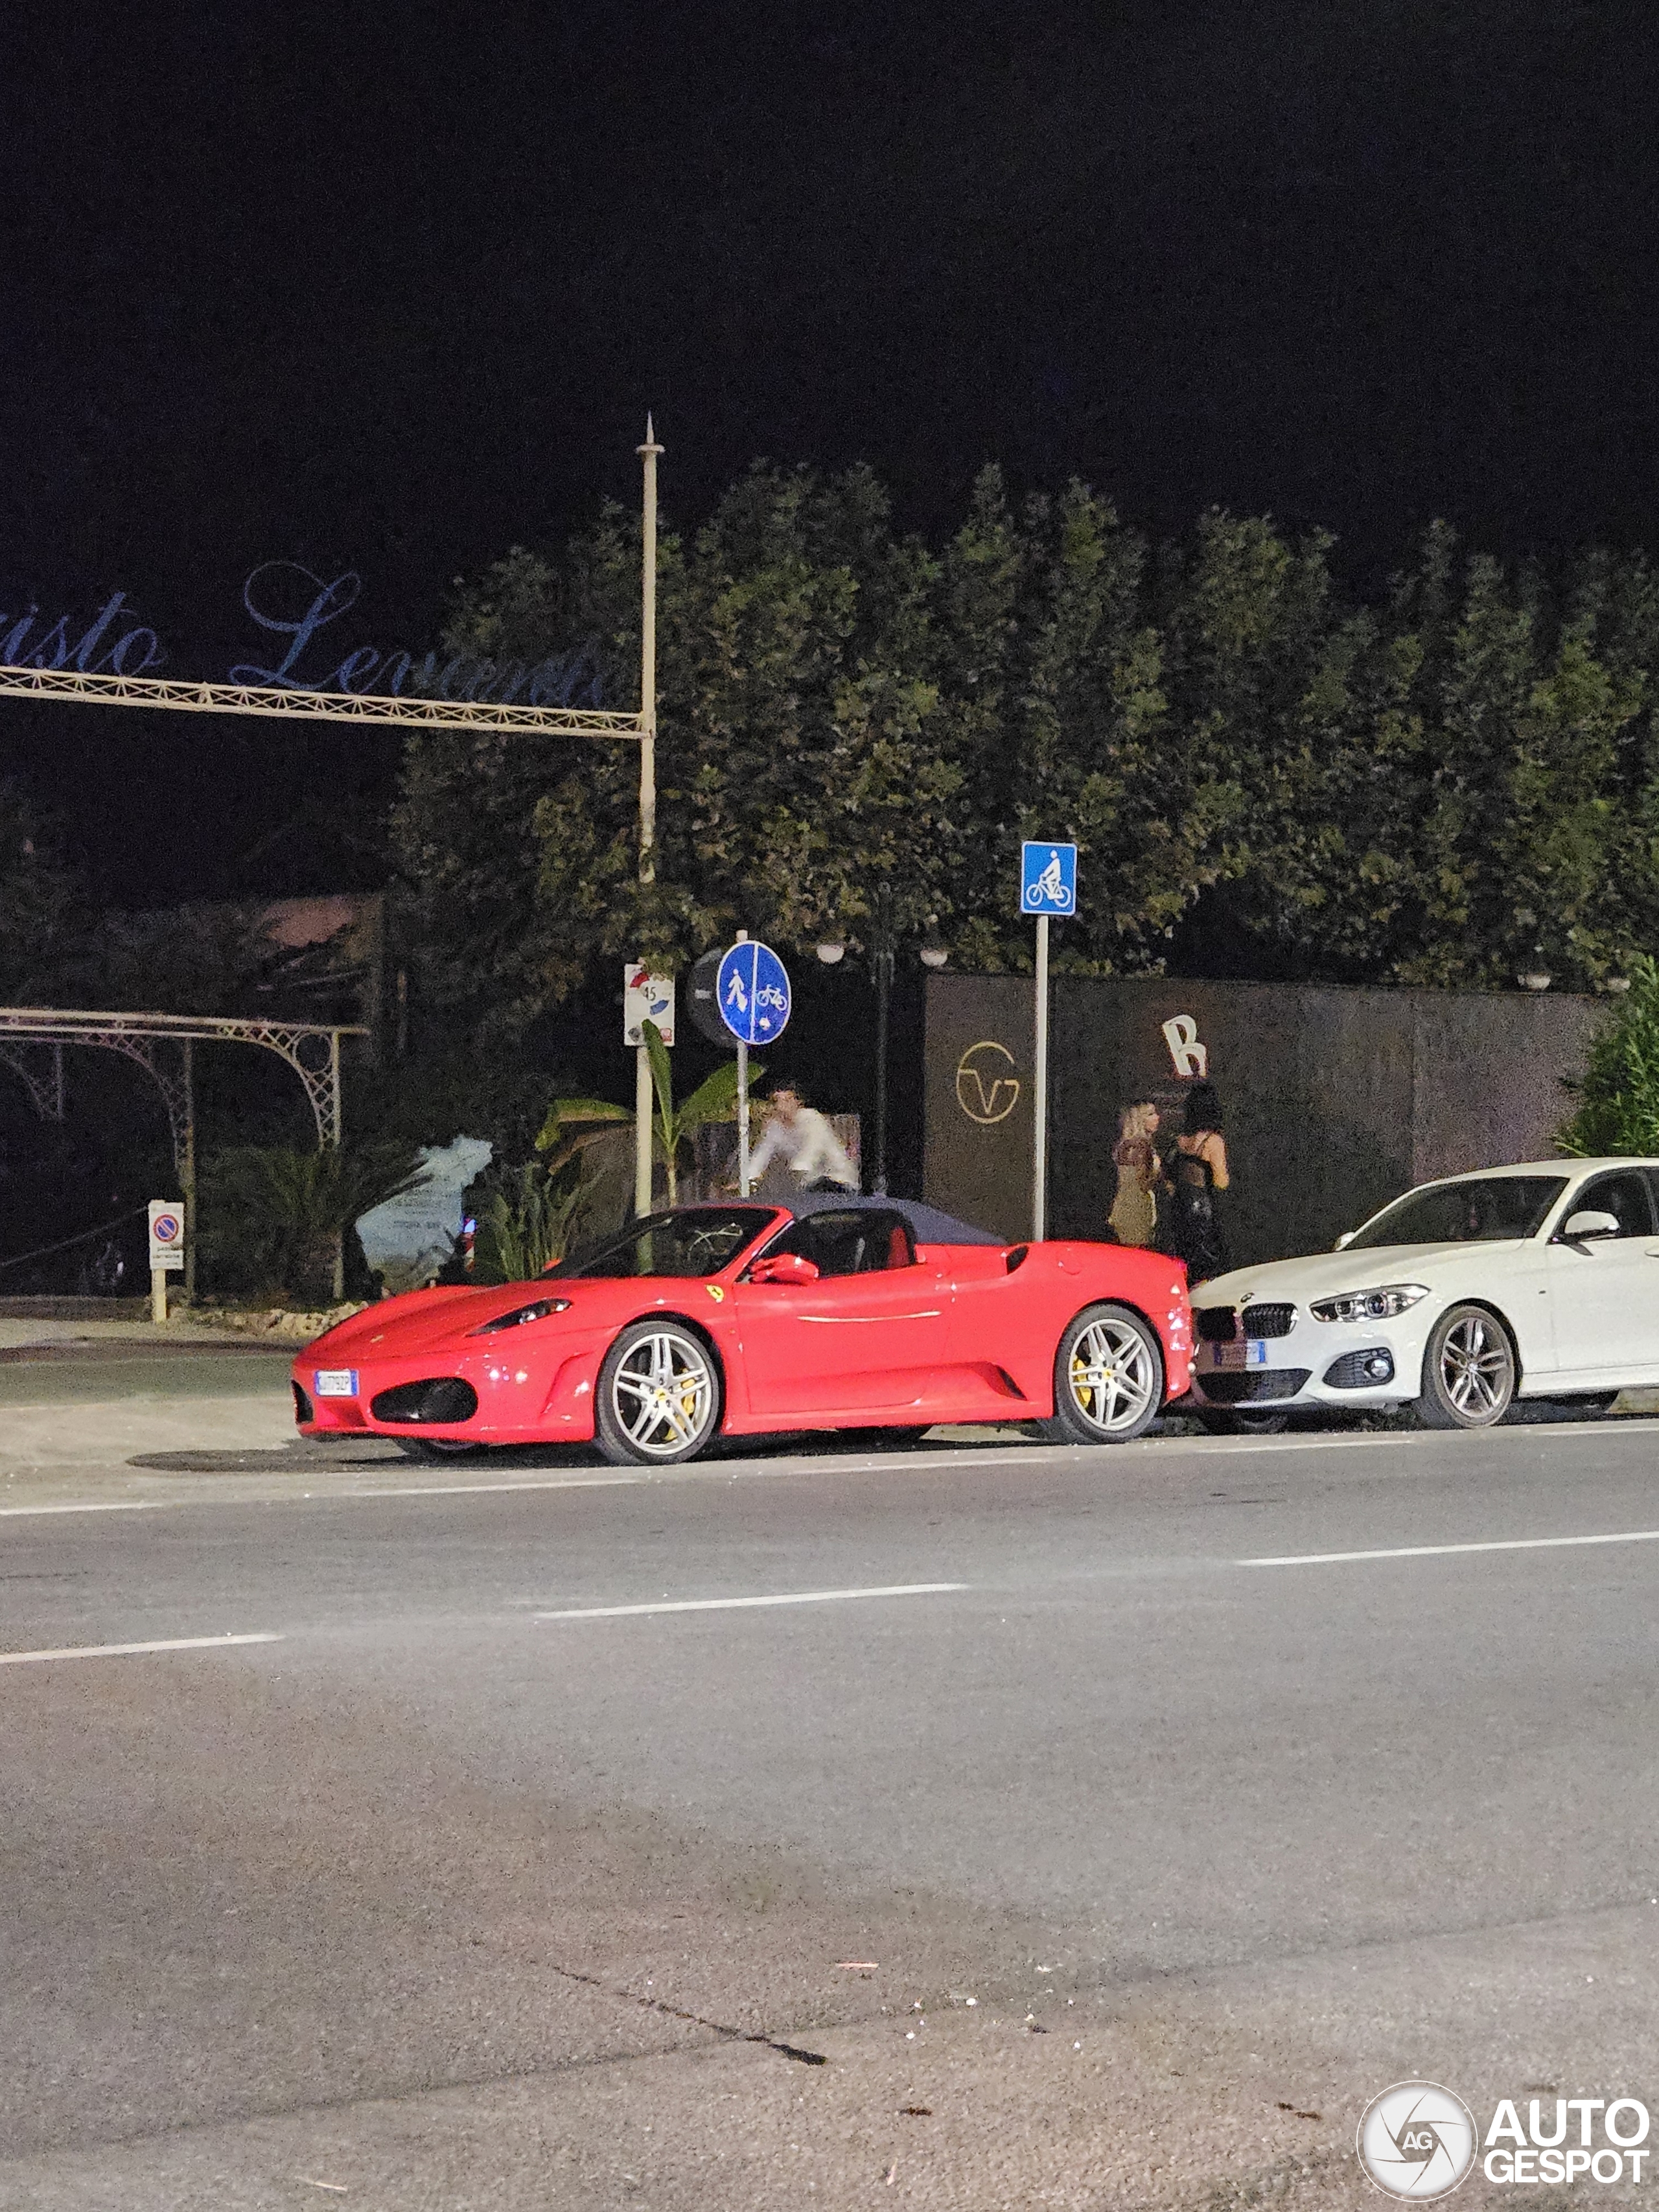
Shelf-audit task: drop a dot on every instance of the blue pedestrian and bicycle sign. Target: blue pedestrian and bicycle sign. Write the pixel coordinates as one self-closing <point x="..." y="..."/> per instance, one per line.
<point x="753" y="993"/>
<point x="1048" y="879"/>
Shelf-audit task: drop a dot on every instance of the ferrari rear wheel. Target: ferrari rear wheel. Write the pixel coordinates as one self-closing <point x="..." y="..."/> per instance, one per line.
<point x="1108" y="1377"/>
<point x="658" y="1396"/>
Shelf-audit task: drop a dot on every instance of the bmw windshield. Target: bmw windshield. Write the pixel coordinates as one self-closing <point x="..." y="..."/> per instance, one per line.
<point x="699" y="1242"/>
<point x="1474" y="1210"/>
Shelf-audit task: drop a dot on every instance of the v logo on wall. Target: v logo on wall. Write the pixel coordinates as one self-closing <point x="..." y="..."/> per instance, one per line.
<point x="984" y="1092"/>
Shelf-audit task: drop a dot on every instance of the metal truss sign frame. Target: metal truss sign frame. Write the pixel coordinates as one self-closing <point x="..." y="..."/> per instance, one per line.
<point x="459" y="715"/>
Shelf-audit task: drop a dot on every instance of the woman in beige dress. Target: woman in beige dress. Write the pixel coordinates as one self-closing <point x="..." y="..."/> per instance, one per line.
<point x="1133" y="1216"/>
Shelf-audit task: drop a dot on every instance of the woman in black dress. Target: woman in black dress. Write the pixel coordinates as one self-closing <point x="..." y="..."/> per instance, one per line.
<point x="1198" y="1169"/>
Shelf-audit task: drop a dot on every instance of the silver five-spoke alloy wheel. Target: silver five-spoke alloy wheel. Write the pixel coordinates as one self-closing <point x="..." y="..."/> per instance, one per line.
<point x="658" y="1395"/>
<point x="1108" y="1377"/>
<point x="1469" y="1371"/>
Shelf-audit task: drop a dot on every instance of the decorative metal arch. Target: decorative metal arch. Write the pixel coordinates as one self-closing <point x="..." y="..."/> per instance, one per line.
<point x="40" y="1069"/>
<point x="312" y="1050"/>
<point x="141" y="1037"/>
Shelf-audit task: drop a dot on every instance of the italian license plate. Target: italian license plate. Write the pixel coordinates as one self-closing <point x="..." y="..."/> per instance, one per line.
<point x="337" y="1382"/>
<point x="1243" y="1352"/>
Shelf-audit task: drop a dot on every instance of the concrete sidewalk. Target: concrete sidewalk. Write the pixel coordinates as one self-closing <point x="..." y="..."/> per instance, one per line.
<point x="82" y="1399"/>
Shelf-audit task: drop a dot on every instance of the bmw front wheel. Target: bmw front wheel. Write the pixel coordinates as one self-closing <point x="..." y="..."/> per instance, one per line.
<point x="658" y="1396"/>
<point x="1469" y="1371"/>
<point x="1108" y="1377"/>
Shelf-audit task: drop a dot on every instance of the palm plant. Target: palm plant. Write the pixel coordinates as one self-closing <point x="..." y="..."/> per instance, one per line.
<point x="572" y="1124"/>
<point x="715" y="1099"/>
<point x="527" y="1220"/>
<point x="272" y="1216"/>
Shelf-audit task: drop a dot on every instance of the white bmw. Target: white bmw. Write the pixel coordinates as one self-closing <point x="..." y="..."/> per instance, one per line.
<point x="1537" y="1281"/>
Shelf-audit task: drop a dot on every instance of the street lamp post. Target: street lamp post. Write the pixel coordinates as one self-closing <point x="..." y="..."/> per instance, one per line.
<point x="883" y="950"/>
<point x="881" y="972"/>
<point x="642" y="1091"/>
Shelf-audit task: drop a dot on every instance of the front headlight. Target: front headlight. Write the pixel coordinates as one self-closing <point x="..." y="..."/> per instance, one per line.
<point x="520" y="1315"/>
<point x="1370" y="1305"/>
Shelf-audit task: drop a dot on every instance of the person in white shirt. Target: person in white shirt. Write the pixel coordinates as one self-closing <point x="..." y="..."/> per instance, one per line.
<point x="800" y="1140"/>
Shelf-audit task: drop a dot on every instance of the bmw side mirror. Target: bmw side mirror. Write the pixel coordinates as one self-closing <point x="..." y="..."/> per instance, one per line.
<point x="1592" y="1222"/>
<point x="783" y="1267"/>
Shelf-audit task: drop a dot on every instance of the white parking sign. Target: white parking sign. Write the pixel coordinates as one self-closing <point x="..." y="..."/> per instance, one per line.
<point x="166" y="1235"/>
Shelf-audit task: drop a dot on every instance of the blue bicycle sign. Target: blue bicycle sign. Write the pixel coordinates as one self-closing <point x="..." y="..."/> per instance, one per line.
<point x="1048" y="879"/>
<point x="753" y="993"/>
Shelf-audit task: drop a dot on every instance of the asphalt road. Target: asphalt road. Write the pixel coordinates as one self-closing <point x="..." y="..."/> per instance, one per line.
<point x="1166" y="1803"/>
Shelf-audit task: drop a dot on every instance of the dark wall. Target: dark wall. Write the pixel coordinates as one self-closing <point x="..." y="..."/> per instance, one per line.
<point x="1335" y="1100"/>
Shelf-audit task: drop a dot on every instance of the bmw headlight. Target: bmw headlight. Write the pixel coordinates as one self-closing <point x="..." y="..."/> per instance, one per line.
<point x="1369" y="1305"/>
<point x="520" y="1315"/>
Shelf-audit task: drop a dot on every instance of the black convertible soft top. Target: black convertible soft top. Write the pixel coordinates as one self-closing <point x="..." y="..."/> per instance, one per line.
<point x="928" y="1225"/>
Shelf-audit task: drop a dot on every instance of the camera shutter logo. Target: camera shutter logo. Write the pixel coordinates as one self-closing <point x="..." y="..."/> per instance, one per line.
<point x="1417" y="2141"/>
<point x="983" y="1092"/>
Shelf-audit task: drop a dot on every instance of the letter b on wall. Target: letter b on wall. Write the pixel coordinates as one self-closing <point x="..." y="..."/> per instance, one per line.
<point x="1181" y="1035"/>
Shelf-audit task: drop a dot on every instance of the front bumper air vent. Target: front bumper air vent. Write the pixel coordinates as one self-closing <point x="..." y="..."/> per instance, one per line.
<point x="1254" y="1386"/>
<point x="445" y="1402"/>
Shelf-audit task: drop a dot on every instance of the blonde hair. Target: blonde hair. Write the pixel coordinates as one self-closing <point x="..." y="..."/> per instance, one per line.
<point x="1132" y="1122"/>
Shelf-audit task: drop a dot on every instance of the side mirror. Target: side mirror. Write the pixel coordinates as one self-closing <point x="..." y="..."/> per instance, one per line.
<point x="1345" y="1240"/>
<point x="1581" y="1227"/>
<point x="783" y="1267"/>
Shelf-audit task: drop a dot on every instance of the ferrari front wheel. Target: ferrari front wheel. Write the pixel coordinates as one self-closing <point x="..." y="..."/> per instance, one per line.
<point x="658" y="1399"/>
<point x="1108" y="1377"/>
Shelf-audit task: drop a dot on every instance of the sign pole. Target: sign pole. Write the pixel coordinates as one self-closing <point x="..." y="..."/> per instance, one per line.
<point x="751" y="1001"/>
<point x="642" y="1093"/>
<point x="187" y="1165"/>
<point x="339" y="1139"/>
<point x="743" y="1098"/>
<point x="168" y="1245"/>
<point x="743" y="1120"/>
<point x="1048" y="885"/>
<point x="1040" y="1089"/>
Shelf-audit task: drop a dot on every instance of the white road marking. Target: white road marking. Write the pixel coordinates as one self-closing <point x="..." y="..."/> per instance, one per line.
<point x="105" y="1505"/>
<point x="122" y="1651"/>
<point x="1442" y="1551"/>
<point x="733" y="1604"/>
<point x="329" y="1496"/>
<point x="466" y="1489"/>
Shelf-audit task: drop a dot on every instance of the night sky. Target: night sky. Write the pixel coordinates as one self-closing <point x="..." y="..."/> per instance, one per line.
<point x="390" y="289"/>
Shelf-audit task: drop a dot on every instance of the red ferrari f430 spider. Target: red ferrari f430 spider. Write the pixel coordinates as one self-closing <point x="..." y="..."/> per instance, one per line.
<point x="753" y="1318"/>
